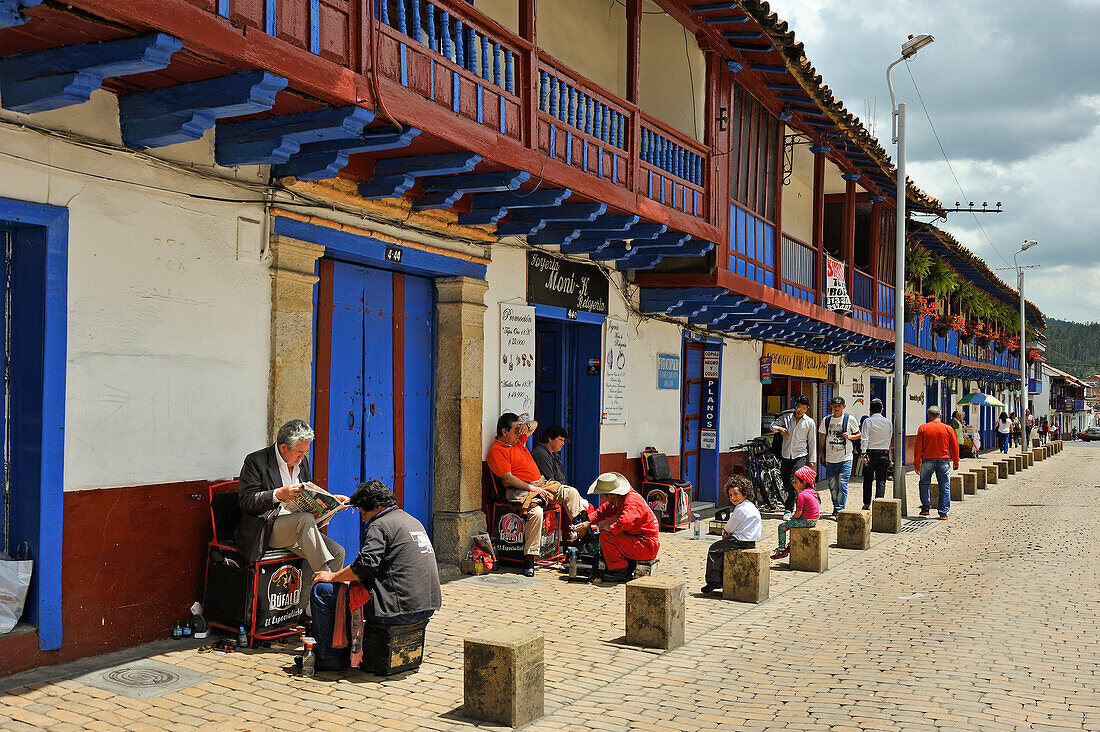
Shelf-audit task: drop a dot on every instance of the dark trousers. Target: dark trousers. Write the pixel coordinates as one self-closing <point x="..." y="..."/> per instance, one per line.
<point x="787" y="469"/>
<point x="874" y="473"/>
<point x="323" y="604"/>
<point x="716" y="554"/>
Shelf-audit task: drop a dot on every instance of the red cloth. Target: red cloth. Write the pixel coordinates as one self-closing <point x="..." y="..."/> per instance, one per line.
<point x="618" y="548"/>
<point x="632" y="516"/>
<point x="935" y="441"/>
<point x="515" y="459"/>
<point x="350" y="596"/>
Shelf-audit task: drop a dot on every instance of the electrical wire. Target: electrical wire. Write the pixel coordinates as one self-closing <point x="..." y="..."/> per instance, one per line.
<point x="943" y="152"/>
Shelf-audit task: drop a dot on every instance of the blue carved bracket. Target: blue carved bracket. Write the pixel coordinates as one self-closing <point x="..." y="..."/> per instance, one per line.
<point x="444" y="192"/>
<point x="39" y="81"/>
<point x="275" y="140"/>
<point x="182" y="113"/>
<point x="490" y="208"/>
<point x="677" y="300"/>
<point x="320" y="160"/>
<point x="395" y="176"/>
<point x="11" y="12"/>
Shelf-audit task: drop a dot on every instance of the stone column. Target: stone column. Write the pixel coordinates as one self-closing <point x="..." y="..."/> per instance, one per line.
<point x="460" y="364"/>
<point x="292" y="279"/>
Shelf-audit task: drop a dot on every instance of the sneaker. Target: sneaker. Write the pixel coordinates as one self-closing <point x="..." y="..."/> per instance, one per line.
<point x="787" y="515"/>
<point x="781" y="553"/>
<point x="943" y="517"/>
<point x="866" y="506"/>
<point x="924" y="512"/>
<point x="707" y="589"/>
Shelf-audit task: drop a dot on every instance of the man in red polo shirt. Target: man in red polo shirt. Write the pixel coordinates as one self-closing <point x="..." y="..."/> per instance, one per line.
<point x="936" y="450"/>
<point x="510" y="461"/>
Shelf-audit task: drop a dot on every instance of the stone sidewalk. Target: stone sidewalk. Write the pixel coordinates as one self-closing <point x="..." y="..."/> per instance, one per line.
<point x="989" y="620"/>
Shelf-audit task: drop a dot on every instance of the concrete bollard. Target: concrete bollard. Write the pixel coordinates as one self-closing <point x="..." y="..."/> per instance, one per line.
<point x="979" y="477"/>
<point x="1038" y="453"/>
<point x="970" y="483"/>
<point x="853" y="529"/>
<point x="1010" y="465"/>
<point x="991" y="474"/>
<point x="746" y="575"/>
<point x="1029" y="456"/>
<point x="886" y="515"/>
<point x="1002" y="469"/>
<point x="503" y="676"/>
<point x="1019" y="460"/>
<point x="655" y="612"/>
<point x="957" y="493"/>
<point x="809" y="549"/>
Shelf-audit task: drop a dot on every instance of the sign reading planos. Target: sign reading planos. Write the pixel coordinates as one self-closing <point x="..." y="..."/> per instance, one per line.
<point x="565" y="284"/>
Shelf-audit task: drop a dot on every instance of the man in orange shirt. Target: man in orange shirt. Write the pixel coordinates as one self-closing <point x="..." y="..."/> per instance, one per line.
<point x="936" y="451"/>
<point x="510" y="461"/>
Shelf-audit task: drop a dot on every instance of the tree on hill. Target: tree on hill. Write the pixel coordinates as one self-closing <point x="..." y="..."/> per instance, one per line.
<point x="1073" y="347"/>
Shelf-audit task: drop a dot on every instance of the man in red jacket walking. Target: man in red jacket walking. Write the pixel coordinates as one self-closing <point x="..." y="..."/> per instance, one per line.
<point x="628" y="528"/>
<point x="936" y="451"/>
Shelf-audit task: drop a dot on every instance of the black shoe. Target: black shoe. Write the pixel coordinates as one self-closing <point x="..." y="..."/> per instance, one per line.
<point x="618" y="575"/>
<point x="529" y="565"/>
<point x="707" y="589"/>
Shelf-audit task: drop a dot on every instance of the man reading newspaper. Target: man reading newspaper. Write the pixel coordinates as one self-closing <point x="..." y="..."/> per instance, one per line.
<point x="270" y="477"/>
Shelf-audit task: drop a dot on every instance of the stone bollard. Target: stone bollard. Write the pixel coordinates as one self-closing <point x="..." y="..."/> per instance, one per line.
<point x="1010" y="465"/>
<point x="746" y="575"/>
<point x="886" y="515"/>
<point x="809" y="549"/>
<point x="1029" y="456"/>
<point x="991" y="474"/>
<point x="957" y="493"/>
<point x="503" y="676"/>
<point x="853" y="529"/>
<point x="1002" y="469"/>
<point x="970" y="483"/>
<point x="979" y="477"/>
<point x="1038" y="453"/>
<point x="1019" y="460"/>
<point x="655" y="612"/>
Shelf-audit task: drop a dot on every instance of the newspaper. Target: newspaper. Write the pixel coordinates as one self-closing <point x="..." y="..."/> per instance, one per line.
<point x="315" y="500"/>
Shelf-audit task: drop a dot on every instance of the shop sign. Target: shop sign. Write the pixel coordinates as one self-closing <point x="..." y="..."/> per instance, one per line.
<point x="708" y="424"/>
<point x="593" y="367"/>
<point x="566" y="284"/>
<point x="787" y="361"/>
<point x="836" y="288"/>
<point x="765" y="369"/>
<point x="668" y="371"/>
<point x="711" y="362"/>
<point x="517" y="360"/>
<point x="614" y="372"/>
<point x="859" y="390"/>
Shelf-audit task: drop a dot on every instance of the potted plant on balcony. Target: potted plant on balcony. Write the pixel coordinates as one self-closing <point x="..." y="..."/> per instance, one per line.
<point x="941" y="325"/>
<point x="960" y="326"/>
<point x="982" y="334"/>
<point x="1032" y="355"/>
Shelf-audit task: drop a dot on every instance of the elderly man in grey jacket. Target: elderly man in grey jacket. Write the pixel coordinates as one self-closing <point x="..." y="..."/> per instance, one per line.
<point x="396" y="565"/>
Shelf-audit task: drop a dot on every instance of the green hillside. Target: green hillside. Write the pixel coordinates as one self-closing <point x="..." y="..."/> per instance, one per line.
<point x="1073" y="347"/>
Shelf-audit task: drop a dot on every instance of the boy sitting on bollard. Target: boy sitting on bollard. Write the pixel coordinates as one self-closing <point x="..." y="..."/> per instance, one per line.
<point x="742" y="530"/>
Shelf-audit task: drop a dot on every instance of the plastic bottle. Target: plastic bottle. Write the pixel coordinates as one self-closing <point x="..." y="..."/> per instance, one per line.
<point x="177" y="630"/>
<point x="186" y="629"/>
<point x="309" y="661"/>
<point x="242" y="637"/>
<point x="572" y="554"/>
<point x="697" y="527"/>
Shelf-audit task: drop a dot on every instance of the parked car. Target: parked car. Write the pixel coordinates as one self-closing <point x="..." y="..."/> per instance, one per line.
<point x="1092" y="433"/>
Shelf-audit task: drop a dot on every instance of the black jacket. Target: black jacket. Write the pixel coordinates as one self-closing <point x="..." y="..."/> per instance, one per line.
<point x="549" y="463"/>
<point x="397" y="564"/>
<point x="256" y="495"/>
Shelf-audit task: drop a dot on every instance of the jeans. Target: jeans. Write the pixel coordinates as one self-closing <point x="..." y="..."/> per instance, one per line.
<point x="716" y="556"/>
<point x="874" y="473"/>
<point x="836" y="478"/>
<point x="787" y="468"/>
<point x="323" y="603"/>
<point x="942" y="469"/>
<point x="1002" y="442"/>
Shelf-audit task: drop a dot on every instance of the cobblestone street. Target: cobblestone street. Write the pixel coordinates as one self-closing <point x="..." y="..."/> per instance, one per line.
<point x="990" y="620"/>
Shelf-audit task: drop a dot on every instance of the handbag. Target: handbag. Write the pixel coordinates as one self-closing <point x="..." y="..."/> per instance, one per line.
<point x="15" y="581"/>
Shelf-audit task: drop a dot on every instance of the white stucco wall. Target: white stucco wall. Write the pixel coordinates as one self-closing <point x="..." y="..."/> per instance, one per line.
<point x="168" y="333"/>
<point x="588" y="37"/>
<point x="798" y="196"/>
<point x="672" y="80"/>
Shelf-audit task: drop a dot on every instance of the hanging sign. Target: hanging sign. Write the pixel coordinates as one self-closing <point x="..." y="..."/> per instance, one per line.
<point x="708" y="423"/>
<point x="711" y="361"/>
<point x="836" y="288"/>
<point x="765" y="369"/>
<point x="668" y="371"/>
<point x="787" y="361"/>
<point x="517" y="360"/>
<point x="614" y="372"/>
<point x="566" y="284"/>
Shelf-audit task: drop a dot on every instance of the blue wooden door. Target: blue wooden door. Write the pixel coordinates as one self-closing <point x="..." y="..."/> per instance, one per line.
<point x="691" y="386"/>
<point x="374" y="388"/>
<point x="878" y="391"/>
<point x="932" y="398"/>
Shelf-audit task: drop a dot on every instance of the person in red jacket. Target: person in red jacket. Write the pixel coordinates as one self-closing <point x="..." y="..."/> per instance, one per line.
<point x="628" y="528"/>
<point x="936" y="450"/>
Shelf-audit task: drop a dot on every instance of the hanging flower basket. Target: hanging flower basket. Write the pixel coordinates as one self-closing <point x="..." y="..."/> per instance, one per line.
<point x="965" y="337"/>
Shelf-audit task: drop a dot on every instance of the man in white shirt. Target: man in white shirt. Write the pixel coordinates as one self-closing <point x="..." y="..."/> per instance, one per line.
<point x="835" y="437"/>
<point x="799" y="447"/>
<point x="877" y="442"/>
<point x="742" y="530"/>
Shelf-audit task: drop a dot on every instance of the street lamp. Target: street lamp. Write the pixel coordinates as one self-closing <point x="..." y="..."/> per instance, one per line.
<point x="908" y="49"/>
<point x="1023" y="330"/>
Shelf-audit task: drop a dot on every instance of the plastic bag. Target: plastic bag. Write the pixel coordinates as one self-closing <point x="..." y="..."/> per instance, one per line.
<point x="15" y="580"/>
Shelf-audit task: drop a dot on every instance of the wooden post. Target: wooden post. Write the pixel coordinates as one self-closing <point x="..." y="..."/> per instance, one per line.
<point x="848" y="247"/>
<point x="875" y="235"/>
<point x="529" y="79"/>
<point x="633" y="90"/>
<point x="819" y="218"/>
<point x="777" y="239"/>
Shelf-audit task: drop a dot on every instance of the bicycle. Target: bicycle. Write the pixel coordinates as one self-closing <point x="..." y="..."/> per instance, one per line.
<point x="763" y="470"/>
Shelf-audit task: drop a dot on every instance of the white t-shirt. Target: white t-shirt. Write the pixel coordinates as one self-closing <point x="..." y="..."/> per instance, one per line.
<point x="744" y="522"/>
<point x="837" y="448"/>
<point x="1004" y="427"/>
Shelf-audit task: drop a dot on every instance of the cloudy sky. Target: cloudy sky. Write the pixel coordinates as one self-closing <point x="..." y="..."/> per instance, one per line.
<point x="1013" y="91"/>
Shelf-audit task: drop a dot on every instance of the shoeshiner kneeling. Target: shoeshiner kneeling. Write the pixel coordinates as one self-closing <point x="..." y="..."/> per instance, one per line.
<point x="393" y="581"/>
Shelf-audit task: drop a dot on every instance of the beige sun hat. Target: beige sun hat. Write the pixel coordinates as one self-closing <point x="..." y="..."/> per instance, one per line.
<point x="615" y="484"/>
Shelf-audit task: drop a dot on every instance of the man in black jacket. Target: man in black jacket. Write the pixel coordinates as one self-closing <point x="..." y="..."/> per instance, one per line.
<point x="269" y="476"/>
<point x="396" y="565"/>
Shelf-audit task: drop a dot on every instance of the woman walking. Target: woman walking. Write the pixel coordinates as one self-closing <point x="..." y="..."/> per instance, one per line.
<point x="1004" y="428"/>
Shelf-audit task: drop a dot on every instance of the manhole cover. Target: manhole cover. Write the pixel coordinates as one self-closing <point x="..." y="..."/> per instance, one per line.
<point x="917" y="526"/>
<point x="511" y="581"/>
<point x="141" y="676"/>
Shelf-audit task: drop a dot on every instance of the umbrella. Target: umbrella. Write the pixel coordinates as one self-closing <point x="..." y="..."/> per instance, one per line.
<point x="978" y="399"/>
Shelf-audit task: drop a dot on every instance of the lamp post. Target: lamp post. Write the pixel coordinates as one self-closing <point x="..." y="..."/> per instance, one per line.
<point x="908" y="50"/>
<point x="1023" y="332"/>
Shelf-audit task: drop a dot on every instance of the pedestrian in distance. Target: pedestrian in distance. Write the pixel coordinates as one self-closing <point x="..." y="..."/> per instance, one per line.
<point x="798" y="446"/>
<point x="836" y="438"/>
<point x="807" y="510"/>
<point x="877" y="440"/>
<point x="742" y="530"/>
<point x="1016" y="430"/>
<point x="935" y="450"/>
<point x="1004" y="429"/>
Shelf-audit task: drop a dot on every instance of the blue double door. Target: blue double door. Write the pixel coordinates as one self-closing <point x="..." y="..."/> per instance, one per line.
<point x="567" y="392"/>
<point x="373" y="401"/>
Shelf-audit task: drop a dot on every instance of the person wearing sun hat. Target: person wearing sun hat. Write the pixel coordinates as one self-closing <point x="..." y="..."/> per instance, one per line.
<point x="628" y="528"/>
<point x="807" y="508"/>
